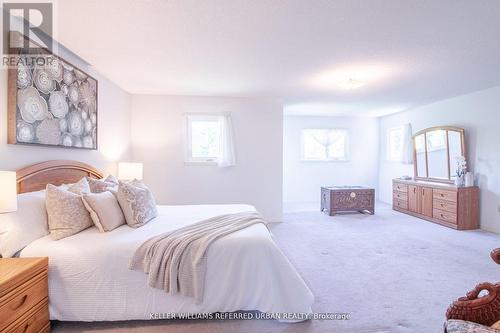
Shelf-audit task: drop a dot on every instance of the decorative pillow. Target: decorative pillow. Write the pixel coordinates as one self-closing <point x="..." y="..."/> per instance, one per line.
<point x="104" y="210"/>
<point x="82" y="186"/>
<point x="99" y="186"/>
<point x="111" y="179"/>
<point x="460" y="326"/>
<point x="67" y="214"/>
<point x="137" y="203"/>
<point x="18" y="229"/>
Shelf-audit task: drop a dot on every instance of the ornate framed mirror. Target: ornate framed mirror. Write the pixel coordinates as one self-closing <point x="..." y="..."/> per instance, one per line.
<point x="435" y="151"/>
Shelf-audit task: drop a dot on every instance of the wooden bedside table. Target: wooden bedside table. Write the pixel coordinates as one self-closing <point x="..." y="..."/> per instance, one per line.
<point x="24" y="301"/>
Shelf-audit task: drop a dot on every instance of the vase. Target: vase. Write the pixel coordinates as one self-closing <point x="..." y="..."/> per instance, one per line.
<point x="459" y="181"/>
<point x="469" y="179"/>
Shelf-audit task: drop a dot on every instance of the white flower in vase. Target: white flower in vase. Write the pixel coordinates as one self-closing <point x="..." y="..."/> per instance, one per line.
<point x="461" y="169"/>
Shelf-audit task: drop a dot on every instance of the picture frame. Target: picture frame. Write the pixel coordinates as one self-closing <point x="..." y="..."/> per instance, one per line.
<point x="51" y="102"/>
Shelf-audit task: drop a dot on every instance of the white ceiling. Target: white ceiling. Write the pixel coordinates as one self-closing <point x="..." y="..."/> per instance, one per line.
<point x="428" y="50"/>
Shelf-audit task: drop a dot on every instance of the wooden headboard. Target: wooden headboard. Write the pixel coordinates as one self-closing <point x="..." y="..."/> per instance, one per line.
<point x="36" y="177"/>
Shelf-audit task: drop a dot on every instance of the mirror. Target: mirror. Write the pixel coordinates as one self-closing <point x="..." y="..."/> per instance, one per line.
<point x="455" y="150"/>
<point x="421" y="158"/>
<point x="435" y="153"/>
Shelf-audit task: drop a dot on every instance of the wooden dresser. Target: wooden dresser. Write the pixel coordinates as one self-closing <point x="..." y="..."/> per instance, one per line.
<point x="24" y="295"/>
<point x="446" y="204"/>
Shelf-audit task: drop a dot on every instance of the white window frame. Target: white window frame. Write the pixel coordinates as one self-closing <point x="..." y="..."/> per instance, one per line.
<point x="389" y="156"/>
<point x="188" y="153"/>
<point x="327" y="160"/>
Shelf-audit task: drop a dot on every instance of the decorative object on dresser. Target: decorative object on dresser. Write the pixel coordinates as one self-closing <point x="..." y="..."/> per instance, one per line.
<point x="446" y="204"/>
<point x="433" y="195"/>
<point x="24" y="295"/>
<point x="336" y="199"/>
<point x="51" y="102"/>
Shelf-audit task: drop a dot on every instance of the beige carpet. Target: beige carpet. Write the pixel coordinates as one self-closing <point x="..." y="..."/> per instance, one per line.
<point x="391" y="272"/>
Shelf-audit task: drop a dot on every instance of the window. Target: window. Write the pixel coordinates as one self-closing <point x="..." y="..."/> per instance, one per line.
<point x="324" y="145"/>
<point x="204" y="138"/>
<point x="395" y="143"/>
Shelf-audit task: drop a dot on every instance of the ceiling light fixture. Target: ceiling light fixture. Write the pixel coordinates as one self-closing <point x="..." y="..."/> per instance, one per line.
<point x="351" y="84"/>
<point x="352" y="77"/>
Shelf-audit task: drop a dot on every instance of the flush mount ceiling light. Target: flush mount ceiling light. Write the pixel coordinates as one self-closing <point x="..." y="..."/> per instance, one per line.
<point x="351" y="84"/>
<point x="351" y="77"/>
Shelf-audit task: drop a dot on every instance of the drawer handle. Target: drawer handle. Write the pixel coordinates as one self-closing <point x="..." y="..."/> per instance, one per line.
<point x="442" y="215"/>
<point x="23" y="300"/>
<point x="442" y="194"/>
<point x="442" y="205"/>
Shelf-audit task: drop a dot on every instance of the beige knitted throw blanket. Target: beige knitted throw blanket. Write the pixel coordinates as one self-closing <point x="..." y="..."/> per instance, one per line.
<point x="176" y="261"/>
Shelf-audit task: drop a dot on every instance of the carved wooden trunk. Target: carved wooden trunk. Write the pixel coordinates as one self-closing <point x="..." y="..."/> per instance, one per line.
<point x="336" y="199"/>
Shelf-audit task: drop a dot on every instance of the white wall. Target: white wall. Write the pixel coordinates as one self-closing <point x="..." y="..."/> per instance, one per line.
<point x="113" y="125"/>
<point x="158" y="142"/>
<point x="479" y="114"/>
<point x="302" y="180"/>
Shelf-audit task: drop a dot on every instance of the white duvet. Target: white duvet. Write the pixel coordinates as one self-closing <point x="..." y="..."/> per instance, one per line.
<point x="89" y="279"/>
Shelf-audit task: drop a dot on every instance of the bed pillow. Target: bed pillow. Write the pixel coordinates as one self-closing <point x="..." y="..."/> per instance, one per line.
<point x="66" y="212"/>
<point x="27" y="224"/>
<point x="137" y="203"/>
<point x="80" y="187"/>
<point x="104" y="210"/>
<point x="99" y="186"/>
<point x="111" y="179"/>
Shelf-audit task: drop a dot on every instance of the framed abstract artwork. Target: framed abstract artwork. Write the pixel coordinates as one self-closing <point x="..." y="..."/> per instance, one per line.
<point x="51" y="103"/>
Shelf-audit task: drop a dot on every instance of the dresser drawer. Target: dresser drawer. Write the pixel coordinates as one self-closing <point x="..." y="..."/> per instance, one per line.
<point x="400" y="196"/>
<point x="37" y="321"/>
<point x="448" y="206"/>
<point x="400" y="204"/>
<point x="400" y="187"/>
<point x="445" y="216"/>
<point x="445" y="195"/>
<point x="22" y="299"/>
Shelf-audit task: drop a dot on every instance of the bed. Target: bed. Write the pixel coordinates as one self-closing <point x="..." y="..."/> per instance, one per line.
<point x="89" y="279"/>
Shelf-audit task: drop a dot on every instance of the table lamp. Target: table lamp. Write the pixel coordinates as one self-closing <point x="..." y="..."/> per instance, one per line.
<point x="8" y="192"/>
<point x="130" y="171"/>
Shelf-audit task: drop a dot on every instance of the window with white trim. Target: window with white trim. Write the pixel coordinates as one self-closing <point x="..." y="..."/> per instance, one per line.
<point x="395" y="143"/>
<point x="203" y="138"/>
<point x="325" y="144"/>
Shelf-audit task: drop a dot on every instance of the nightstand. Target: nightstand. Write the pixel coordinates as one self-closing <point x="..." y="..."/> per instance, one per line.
<point x="24" y="302"/>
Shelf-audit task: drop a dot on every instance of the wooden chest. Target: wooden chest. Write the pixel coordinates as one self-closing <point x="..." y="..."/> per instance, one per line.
<point x="336" y="199"/>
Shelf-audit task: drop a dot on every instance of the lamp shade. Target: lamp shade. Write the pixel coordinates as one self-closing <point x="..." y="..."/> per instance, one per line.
<point x="129" y="171"/>
<point x="8" y="192"/>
